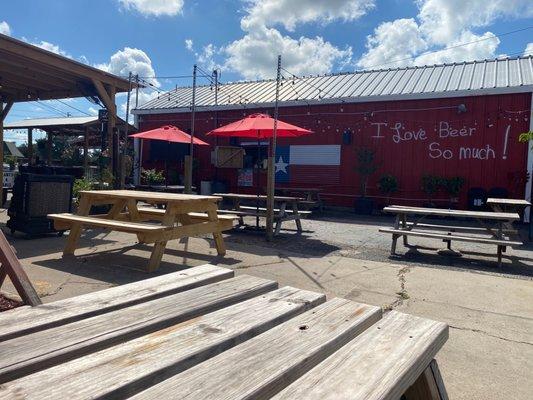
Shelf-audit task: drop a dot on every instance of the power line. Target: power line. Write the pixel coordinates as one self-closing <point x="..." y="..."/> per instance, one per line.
<point x="74" y="108"/>
<point x="53" y="108"/>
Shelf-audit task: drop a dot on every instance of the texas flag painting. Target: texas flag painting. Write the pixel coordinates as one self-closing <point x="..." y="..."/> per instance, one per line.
<point x="308" y="164"/>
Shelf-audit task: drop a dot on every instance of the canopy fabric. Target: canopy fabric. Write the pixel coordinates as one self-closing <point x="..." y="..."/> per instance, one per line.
<point x="259" y="126"/>
<point x="168" y="133"/>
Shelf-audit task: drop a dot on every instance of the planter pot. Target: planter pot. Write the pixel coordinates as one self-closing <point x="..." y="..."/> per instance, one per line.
<point x="364" y="206"/>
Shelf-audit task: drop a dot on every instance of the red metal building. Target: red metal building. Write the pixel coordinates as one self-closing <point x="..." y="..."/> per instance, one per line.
<point x="454" y="120"/>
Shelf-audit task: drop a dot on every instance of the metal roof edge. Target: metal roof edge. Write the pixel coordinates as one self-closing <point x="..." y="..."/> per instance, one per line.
<point x="346" y="100"/>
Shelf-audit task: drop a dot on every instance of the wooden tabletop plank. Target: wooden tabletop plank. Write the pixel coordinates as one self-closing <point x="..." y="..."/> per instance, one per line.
<point x="243" y="196"/>
<point x="128" y="368"/>
<point x="20" y="322"/>
<point x="35" y="351"/>
<point x="382" y="363"/>
<point x="452" y="213"/>
<point x="155" y="197"/>
<point x="508" y="202"/>
<point x="262" y="366"/>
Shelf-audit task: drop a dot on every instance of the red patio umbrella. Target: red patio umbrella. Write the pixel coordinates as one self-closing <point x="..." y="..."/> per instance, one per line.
<point x="259" y="126"/>
<point x="168" y="133"/>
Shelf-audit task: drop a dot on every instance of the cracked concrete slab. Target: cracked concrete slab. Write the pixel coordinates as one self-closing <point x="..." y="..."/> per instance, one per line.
<point x="489" y="354"/>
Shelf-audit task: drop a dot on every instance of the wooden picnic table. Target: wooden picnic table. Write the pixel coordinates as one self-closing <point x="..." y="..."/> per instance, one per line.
<point x="287" y="209"/>
<point x="202" y="333"/>
<point x="508" y="205"/>
<point x="184" y="215"/>
<point x="311" y="196"/>
<point x="490" y="230"/>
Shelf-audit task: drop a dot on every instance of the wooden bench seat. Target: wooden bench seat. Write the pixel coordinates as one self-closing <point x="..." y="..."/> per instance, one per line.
<point x="500" y="243"/>
<point x="63" y="221"/>
<point x="458" y="228"/>
<point x="276" y="210"/>
<point x="443" y="236"/>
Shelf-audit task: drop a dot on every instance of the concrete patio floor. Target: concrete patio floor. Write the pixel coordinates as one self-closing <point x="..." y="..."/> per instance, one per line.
<point x="489" y="354"/>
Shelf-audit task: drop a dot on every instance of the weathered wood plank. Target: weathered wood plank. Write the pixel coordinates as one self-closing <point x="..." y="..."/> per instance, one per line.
<point x="131" y="367"/>
<point x="452" y="213"/>
<point x="267" y="363"/>
<point x="382" y="363"/>
<point x="23" y="321"/>
<point x="36" y="351"/>
<point x="122" y="226"/>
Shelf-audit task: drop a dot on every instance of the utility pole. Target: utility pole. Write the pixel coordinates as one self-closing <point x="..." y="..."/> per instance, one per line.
<point x="126" y="131"/>
<point x="271" y="181"/>
<point x="137" y="143"/>
<point x="189" y="161"/>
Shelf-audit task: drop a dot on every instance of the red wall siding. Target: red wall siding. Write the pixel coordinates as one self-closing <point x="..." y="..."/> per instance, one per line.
<point x="428" y="147"/>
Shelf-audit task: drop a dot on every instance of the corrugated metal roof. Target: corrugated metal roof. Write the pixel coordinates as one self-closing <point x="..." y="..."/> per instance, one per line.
<point x="504" y="75"/>
<point x="49" y="122"/>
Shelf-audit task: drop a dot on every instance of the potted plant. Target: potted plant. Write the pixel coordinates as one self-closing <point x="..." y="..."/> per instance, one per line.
<point x="388" y="184"/>
<point x="453" y="187"/>
<point x="366" y="166"/>
<point x="152" y="177"/>
<point x="430" y="186"/>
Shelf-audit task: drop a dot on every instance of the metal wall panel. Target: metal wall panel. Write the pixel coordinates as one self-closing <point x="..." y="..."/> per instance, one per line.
<point x="410" y="138"/>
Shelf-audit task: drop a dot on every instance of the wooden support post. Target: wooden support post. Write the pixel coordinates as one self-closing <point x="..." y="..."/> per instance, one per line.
<point x="86" y="152"/>
<point x="30" y="146"/>
<point x="4" y="110"/>
<point x="107" y="95"/>
<point x="49" y="148"/>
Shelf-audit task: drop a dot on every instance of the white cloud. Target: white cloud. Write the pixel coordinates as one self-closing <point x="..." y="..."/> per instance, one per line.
<point x="155" y="7"/>
<point x="392" y="44"/>
<point x="131" y="60"/>
<point x="254" y="55"/>
<point x="138" y="62"/>
<point x="443" y="21"/>
<point x="290" y="13"/>
<point x="4" y="28"/>
<point x="189" y="44"/>
<point x="92" y="111"/>
<point x="480" y="47"/>
<point x="54" y="48"/>
<point x="443" y="30"/>
<point x="529" y="49"/>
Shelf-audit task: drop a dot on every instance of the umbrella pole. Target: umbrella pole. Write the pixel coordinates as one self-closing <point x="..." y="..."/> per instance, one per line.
<point x="257" y="182"/>
<point x="272" y="154"/>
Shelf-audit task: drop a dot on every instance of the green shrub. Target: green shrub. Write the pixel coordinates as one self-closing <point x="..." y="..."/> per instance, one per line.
<point x="80" y="185"/>
<point x="430" y="184"/>
<point x="453" y="185"/>
<point x="366" y="166"/>
<point x="152" y="176"/>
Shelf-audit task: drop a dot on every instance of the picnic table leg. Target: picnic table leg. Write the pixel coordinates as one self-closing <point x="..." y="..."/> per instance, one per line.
<point x="159" y="247"/>
<point x="404" y="226"/>
<point x="217" y="235"/>
<point x="297" y="216"/>
<point x="75" y="229"/>
<point x="281" y="215"/>
<point x="429" y="385"/>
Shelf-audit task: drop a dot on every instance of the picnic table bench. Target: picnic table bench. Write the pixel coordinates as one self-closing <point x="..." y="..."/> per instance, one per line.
<point x="184" y="215"/>
<point x="202" y="333"/>
<point x="287" y="209"/>
<point x="492" y="224"/>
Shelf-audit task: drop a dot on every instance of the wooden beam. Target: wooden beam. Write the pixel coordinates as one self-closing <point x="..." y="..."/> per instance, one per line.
<point x="104" y="95"/>
<point x="36" y="55"/>
<point x="5" y="110"/>
<point x="30" y="146"/>
<point x="49" y="148"/>
<point x="11" y="265"/>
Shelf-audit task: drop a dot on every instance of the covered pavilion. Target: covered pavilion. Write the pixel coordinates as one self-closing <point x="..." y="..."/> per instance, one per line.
<point x="29" y="73"/>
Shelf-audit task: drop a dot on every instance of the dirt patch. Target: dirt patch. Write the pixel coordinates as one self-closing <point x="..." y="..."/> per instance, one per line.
<point x="8" y="304"/>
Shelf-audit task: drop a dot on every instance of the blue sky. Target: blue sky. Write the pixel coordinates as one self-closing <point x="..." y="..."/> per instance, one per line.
<point x="243" y="37"/>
